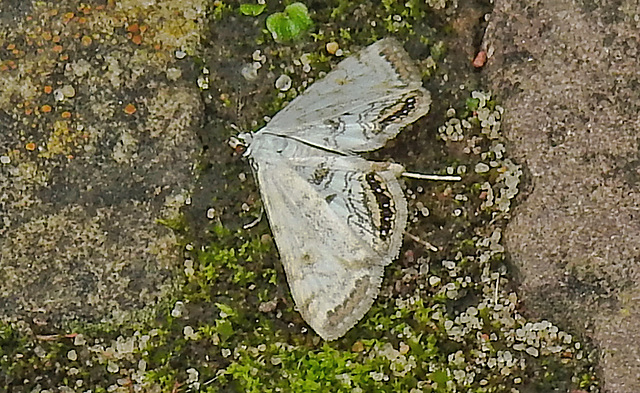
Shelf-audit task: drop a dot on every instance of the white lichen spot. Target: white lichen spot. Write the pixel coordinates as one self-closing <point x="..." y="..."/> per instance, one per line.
<point x="305" y="59"/>
<point x="178" y="309"/>
<point x="79" y="340"/>
<point x="283" y="83"/>
<point x="189" y="333"/>
<point x="192" y="379"/>
<point x="481" y="167"/>
<point x="72" y="355"/>
<point x="203" y="82"/>
<point x="173" y="74"/>
<point x="68" y="91"/>
<point x="250" y="71"/>
<point x="39" y="351"/>
<point x="436" y="4"/>
<point x="532" y="351"/>
<point x="376" y="375"/>
<point x="113" y="367"/>
<point x="125" y="149"/>
<point x="452" y="130"/>
<point x="188" y="268"/>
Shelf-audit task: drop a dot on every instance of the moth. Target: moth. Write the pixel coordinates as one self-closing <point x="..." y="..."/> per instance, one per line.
<point x="338" y="219"/>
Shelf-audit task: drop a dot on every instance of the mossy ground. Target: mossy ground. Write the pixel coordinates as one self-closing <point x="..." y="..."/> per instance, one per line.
<point x="445" y="321"/>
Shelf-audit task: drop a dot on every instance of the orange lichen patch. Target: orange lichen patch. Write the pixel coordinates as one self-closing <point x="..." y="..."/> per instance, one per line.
<point x="57" y="48"/>
<point x="130" y="109"/>
<point x="86" y="40"/>
<point x="133" y="28"/>
<point x="47" y="36"/>
<point x="48" y="89"/>
<point x="46" y="108"/>
<point x="11" y="47"/>
<point x="68" y="16"/>
<point x="66" y="115"/>
<point x="64" y="57"/>
<point x="30" y="146"/>
<point x="56" y="38"/>
<point x="137" y="39"/>
<point x="82" y="19"/>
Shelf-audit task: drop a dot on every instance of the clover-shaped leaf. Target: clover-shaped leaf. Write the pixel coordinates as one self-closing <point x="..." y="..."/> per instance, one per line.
<point x="252" y="9"/>
<point x="287" y="25"/>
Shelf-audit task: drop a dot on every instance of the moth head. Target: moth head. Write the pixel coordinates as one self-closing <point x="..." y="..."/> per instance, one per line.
<point x="241" y="143"/>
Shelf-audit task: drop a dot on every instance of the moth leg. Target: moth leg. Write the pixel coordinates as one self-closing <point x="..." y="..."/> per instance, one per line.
<point x="420" y="241"/>
<point x="254" y="222"/>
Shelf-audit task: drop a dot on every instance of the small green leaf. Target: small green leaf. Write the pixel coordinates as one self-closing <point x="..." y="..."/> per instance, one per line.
<point x="287" y="25"/>
<point x="252" y="9"/>
<point x="440" y="377"/>
<point x="226" y="309"/>
<point x="472" y="104"/>
<point x="299" y="15"/>
<point x="224" y="328"/>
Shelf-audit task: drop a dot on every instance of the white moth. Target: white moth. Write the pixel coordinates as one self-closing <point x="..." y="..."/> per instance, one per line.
<point x="338" y="219"/>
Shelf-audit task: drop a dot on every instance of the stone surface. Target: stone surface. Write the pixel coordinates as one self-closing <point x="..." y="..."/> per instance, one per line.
<point x="568" y="75"/>
<point x="99" y="146"/>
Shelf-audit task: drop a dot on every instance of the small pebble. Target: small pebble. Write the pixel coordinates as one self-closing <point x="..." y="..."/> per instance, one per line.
<point x="332" y="47"/>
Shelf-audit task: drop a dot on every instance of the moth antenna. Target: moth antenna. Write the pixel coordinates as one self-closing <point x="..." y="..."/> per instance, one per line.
<point x="431" y="177"/>
<point x="420" y="241"/>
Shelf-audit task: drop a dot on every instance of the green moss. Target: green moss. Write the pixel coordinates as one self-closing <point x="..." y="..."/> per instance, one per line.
<point x="178" y="223"/>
